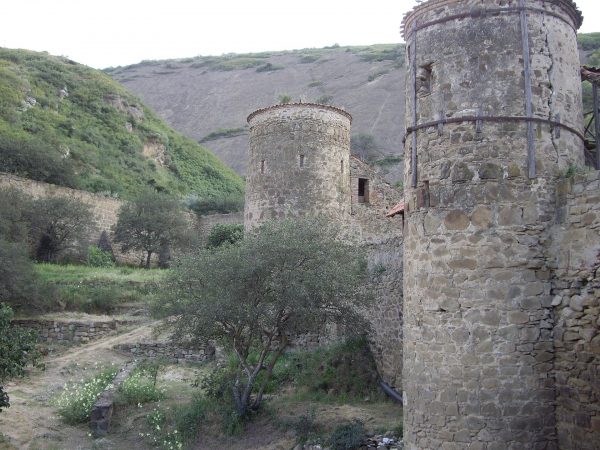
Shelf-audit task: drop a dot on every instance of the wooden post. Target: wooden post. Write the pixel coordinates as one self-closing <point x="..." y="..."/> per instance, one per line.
<point x="528" y="96"/>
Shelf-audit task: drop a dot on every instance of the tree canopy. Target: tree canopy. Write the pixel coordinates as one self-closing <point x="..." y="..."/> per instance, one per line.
<point x="281" y="280"/>
<point x="149" y="223"/>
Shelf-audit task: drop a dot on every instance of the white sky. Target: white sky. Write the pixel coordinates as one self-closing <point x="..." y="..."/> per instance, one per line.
<point x="103" y="33"/>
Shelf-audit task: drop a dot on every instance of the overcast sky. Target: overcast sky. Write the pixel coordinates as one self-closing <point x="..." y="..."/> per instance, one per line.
<point x="119" y="32"/>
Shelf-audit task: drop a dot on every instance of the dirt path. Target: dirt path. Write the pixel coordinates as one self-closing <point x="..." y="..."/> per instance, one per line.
<point x="31" y="422"/>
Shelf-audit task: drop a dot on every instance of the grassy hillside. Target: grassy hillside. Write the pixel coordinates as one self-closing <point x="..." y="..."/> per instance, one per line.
<point x="68" y="124"/>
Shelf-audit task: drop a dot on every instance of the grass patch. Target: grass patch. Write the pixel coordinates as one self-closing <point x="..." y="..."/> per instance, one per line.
<point x="96" y="289"/>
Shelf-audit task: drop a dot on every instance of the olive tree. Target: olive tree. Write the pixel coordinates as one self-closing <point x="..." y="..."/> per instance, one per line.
<point x="281" y="280"/>
<point x="59" y="223"/>
<point x="149" y="223"/>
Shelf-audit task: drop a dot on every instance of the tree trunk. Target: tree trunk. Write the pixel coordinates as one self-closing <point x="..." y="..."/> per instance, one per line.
<point x="148" y="260"/>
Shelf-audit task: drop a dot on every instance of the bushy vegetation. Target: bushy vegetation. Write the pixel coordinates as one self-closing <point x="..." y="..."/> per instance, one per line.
<point x="68" y="124"/>
<point x="223" y="233"/>
<point x="76" y="400"/>
<point x="140" y="387"/>
<point x="224" y="133"/>
<point x="99" y="258"/>
<point x="17" y="350"/>
<point x="285" y="278"/>
<point x="225" y="204"/>
<point x="348" y="436"/>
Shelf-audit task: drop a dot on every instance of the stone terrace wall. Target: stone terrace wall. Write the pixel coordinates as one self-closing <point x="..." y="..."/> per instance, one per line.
<point x="576" y="301"/>
<point x="167" y="350"/>
<point x="62" y="332"/>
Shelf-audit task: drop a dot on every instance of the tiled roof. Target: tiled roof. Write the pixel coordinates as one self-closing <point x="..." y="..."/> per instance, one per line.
<point x="398" y="209"/>
<point x="591" y="74"/>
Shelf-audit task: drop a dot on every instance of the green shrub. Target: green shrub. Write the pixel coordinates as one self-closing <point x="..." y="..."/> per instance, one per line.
<point x="19" y="284"/>
<point x="15" y="217"/>
<point x="17" y="350"/>
<point x="324" y="99"/>
<point x="269" y="67"/>
<point x="77" y="399"/>
<point x="203" y="206"/>
<point x="140" y="387"/>
<point x="225" y="233"/>
<point x="346" y="368"/>
<point x="99" y="258"/>
<point x="305" y="427"/>
<point x="284" y="99"/>
<point x="348" y="436"/>
<point x="190" y="416"/>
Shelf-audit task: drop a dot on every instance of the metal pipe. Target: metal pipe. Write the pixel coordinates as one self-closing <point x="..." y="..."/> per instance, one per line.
<point x="528" y="95"/>
<point x="597" y="123"/>
<point x="390" y="391"/>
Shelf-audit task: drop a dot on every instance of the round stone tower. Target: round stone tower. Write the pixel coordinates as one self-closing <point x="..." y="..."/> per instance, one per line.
<point x="493" y="119"/>
<point x="298" y="163"/>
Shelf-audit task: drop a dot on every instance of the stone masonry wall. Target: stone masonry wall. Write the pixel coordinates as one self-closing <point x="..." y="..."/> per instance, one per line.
<point x="382" y="238"/>
<point x="62" y="332"/>
<point x="106" y="210"/>
<point x="478" y="355"/>
<point x="298" y="162"/>
<point x="177" y="354"/>
<point x="576" y="299"/>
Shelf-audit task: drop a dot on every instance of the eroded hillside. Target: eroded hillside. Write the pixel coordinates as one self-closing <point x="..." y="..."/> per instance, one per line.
<point x="209" y="98"/>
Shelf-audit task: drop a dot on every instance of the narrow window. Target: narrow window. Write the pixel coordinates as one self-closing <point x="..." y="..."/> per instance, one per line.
<point x="342" y="166"/>
<point x="363" y="190"/>
<point x="424" y="77"/>
<point x="301" y="160"/>
<point x="262" y="166"/>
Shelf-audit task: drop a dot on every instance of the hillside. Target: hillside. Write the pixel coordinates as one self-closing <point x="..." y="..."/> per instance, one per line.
<point x="209" y="98"/>
<point x="65" y="123"/>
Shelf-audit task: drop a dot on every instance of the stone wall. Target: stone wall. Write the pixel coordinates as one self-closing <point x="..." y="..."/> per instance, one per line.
<point x="106" y="210"/>
<point x="382" y="239"/>
<point x="575" y="254"/>
<point x="478" y="352"/>
<point x="206" y="223"/>
<point x="166" y="350"/>
<point x="69" y="332"/>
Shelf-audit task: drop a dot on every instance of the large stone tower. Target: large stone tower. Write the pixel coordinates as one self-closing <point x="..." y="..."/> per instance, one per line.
<point x="493" y="119"/>
<point x="299" y="163"/>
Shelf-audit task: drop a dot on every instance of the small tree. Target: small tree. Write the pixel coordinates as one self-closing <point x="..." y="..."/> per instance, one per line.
<point x="364" y="146"/>
<point x="285" y="279"/>
<point x="59" y="223"/>
<point x="19" y="285"/>
<point x="150" y="222"/>
<point x="17" y="350"/>
<point x="15" y="207"/>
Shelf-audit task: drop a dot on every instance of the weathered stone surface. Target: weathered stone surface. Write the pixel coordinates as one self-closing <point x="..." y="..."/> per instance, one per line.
<point x="493" y="250"/>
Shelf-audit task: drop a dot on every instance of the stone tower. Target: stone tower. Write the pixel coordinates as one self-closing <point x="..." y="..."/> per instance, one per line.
<point x="298" y="163"/>
<point x="493" y="119"/>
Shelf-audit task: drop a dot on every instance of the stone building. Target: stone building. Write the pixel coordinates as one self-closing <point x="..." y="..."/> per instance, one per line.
<point x="300" y="165"/>
<point x="501" y="346"/>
